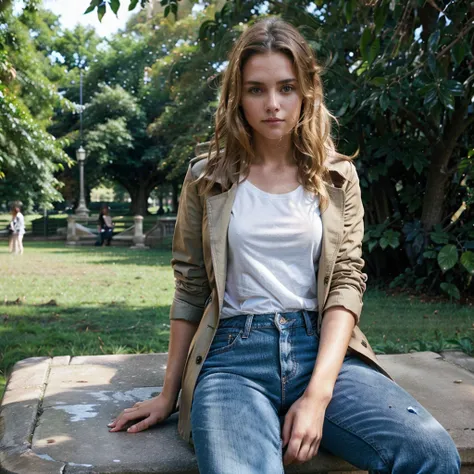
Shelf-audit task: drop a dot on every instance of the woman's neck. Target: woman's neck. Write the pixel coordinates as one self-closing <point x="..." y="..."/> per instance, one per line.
<point x="274" y="153"/>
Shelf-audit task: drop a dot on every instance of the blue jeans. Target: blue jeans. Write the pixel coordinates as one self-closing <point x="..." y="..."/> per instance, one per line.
<point x="259" y="365"/>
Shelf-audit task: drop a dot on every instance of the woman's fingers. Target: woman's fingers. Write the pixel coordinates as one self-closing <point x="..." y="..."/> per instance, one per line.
<point x="300" y="451"/>
<point x="314" y="448"/>
<point x="287" y="425"/>
<point x="303" y="453"/>
<point x="142" y="425"/>
<point x="293" y="449"/>
<point x="129" y="414"/>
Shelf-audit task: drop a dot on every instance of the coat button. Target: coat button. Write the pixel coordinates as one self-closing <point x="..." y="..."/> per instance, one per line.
<point x="326" y="280"/>
<point x="364" y="343"/>
<point x="198" y="360"/>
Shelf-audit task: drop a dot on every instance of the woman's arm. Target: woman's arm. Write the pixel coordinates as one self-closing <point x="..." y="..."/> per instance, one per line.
<point x="336" y="331"/>
<point x="159" y="408"/>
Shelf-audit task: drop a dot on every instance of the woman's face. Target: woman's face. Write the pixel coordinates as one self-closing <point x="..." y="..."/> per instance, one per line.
<point x="271" y="96"/>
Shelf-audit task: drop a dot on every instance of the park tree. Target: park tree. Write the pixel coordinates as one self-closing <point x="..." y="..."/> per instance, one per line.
<point x="30" y="156"/>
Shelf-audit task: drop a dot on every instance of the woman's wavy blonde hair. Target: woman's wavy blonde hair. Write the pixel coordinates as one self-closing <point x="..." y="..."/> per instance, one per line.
<point x="231" y="152"/>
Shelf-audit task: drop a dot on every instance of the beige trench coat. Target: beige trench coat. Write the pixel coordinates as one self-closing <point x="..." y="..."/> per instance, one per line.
<point x="200" y="265"/>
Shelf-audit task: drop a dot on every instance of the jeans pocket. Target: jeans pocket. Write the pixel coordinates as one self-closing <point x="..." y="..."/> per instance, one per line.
<point x="224" y="340"/>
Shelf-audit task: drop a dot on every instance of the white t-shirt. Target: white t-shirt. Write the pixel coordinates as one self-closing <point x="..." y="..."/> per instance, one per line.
<point x="19" y="224"/>
<point x="274" y="247"/>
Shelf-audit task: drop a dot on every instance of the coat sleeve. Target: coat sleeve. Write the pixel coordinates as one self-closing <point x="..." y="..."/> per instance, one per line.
<point x="348" y="281"/>
<point x="191" y="282"/>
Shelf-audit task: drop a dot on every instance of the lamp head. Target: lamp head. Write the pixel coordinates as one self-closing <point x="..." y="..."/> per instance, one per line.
<point x="80" y="154"/>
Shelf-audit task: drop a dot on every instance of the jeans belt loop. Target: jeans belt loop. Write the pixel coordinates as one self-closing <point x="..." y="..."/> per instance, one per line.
<point x="307" y="322"/>
<point x="248" y="326"/>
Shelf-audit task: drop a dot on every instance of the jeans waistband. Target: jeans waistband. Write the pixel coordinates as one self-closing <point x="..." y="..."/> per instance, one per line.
<point x="247" y="322"/>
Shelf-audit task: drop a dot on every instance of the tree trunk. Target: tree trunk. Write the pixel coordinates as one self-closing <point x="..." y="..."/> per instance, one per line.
<point x="139" y="204"/>
<point x="140" y="193"/>
<point x="438" y="175"/>
<point x="433" y="201"/>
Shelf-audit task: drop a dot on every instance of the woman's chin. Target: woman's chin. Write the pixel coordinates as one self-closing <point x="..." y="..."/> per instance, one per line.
<point x="276" y="135"/>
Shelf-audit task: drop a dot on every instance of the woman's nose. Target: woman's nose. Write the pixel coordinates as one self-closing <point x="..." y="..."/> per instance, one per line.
<point x="272" y="104"/>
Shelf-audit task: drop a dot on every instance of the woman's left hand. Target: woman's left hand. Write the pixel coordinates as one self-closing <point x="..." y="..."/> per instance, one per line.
<point x="302" y="430"/>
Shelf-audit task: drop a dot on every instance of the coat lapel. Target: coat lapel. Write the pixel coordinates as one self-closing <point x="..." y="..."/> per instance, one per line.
<point x="219" y="208"/>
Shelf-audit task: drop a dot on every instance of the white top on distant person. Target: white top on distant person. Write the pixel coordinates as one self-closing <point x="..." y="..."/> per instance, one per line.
<point x="17" y="227"/>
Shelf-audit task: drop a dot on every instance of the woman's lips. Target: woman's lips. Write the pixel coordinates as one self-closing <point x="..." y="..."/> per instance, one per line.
<point x="273" y="120"/>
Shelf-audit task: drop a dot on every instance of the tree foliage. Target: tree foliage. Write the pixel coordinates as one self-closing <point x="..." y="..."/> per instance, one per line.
<point x="29" y="155"/>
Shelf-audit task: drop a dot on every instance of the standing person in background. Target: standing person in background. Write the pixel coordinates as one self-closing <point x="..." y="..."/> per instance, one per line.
<point x="106" y="226"/>
<point x="17" y="227"/>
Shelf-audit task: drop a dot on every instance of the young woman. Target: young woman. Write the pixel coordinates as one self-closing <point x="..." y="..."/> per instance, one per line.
<point x="269" y="285"/>
<point x="17" y="228"/>
<point x="105" y="226"/>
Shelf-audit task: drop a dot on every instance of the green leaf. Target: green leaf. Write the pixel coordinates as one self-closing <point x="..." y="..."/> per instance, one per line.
<point x="364" y="42"/>
<point x="433" y="41"/>
<point x="418" y="163"/>
<point x="384" y="101"/>
<point x="372" y="245"/>
<point x="167" y="10"/>
<point x="439" y="237"/>
<point x="92" y="6"/>
<point x="378" y="81"/>
<point x="205" y="28"/>
<point x="447" y="257"/>
<point x="430" y="254"/>
<point x="433" y="65"/>
<point x="431" y="98"/>
<point x="374" y="50"/>
<point x="451" y="290"/>
<point x="383" y="243"/>
<point x="101" y="11"/>
<point x="458" y="52"/>
<point x="392" y="238"/>
<point x="454" y="87"/>
<point x="380" y="17"/>
<point x="133" y="4"/>
<point x="446" y="98"/>
<point x="467" y="261"/>
<point x="114" y="5"/>
<point x="349" y="9"/>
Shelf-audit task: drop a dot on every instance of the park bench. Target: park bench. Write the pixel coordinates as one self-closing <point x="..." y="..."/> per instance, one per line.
<point x="79" y="234"/>
<point x="54" y="414"/>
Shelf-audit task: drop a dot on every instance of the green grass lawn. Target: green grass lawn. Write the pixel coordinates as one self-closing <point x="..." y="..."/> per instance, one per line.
<point x="57" y="300"/>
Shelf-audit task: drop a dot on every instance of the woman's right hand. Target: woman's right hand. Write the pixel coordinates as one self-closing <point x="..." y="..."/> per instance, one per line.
<point x="151" y="411"/>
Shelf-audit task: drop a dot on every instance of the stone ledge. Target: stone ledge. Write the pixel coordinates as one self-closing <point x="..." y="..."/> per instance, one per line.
<point x="54" y="414"/>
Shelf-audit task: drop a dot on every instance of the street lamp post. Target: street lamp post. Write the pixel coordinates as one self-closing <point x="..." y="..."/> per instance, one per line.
<point x="81" y="210"/>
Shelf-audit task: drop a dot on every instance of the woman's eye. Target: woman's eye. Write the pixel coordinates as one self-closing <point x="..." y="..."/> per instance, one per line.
<point x="287" y="88"/>
<point x="255" y="90"/>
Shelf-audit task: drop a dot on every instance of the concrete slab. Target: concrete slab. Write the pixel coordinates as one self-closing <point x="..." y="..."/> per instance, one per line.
<point x="460" y="359"/>
<point x="55" y="412"/>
